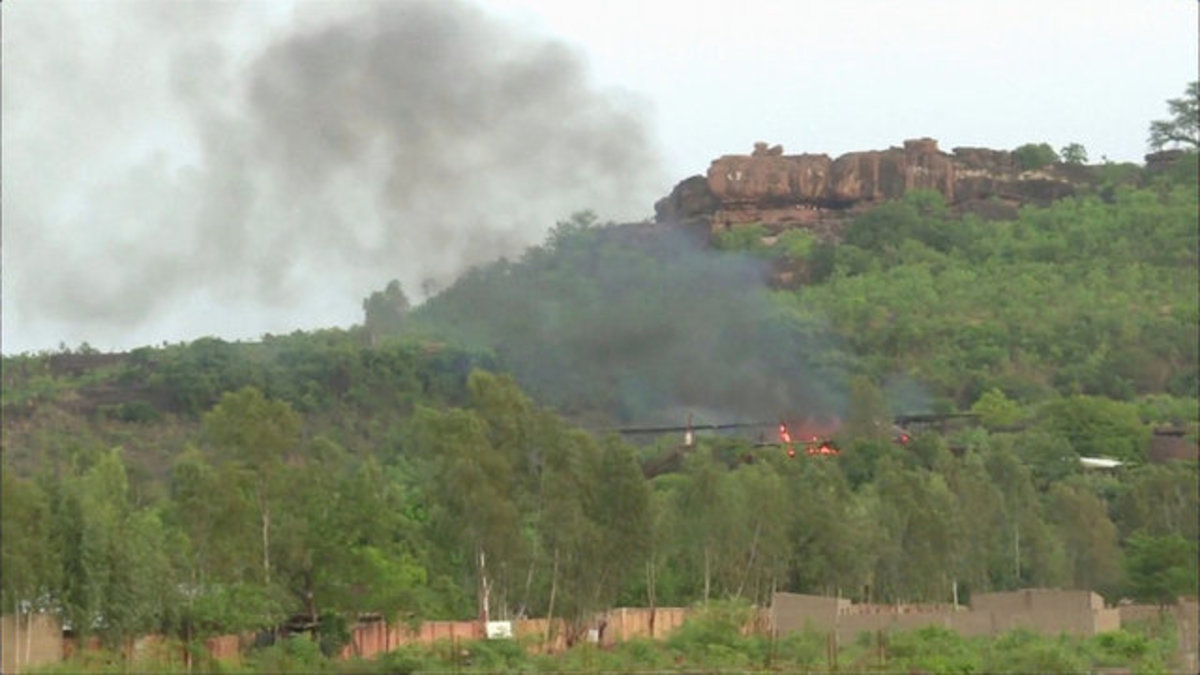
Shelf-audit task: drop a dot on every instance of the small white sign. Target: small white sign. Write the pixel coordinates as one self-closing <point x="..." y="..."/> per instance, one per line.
<point x="499" y="630"/>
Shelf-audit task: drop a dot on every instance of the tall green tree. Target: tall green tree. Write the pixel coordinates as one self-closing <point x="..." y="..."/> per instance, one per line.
<point x="1089" y="538"/>
<point x="470" y="493"/>
<point x="1074" y="153"/>
<point x="1097" y="427"/>
<point x="983" y="561"/>
<point x="919" y="516"/>
<point x="707" y="520"/>
<point x="1183" y="127"/>
<point x="869" y="417"/>
<point x="832" y="535"/>
<point x="1032" y="550"/>
<point x="1160" y="569"/>
<point x="384" y="311"/>
<point x="621" y="511"/>
<point x="118" y="580"/>
<point x="256" y="434"/>
<point x="1160" y="500"/>
<point x="27" y="558"/>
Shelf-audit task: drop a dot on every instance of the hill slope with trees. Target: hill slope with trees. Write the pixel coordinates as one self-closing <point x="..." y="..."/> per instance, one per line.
<point x="443" y="461"/>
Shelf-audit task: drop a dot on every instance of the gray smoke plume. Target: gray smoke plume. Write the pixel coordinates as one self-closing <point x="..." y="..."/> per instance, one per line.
<point x="232" y="170"/>
<point x="643" y="324"/>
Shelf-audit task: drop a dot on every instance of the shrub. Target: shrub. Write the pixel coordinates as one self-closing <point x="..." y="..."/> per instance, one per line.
<point x="1032" y="156"/>
<point x="496" y="655"/>
<point x="296" y="654"/>
<point x="1119" y="647"/>
<point x="406" y="660"/>
<point x="741" y="238"/>
<point x="936" y="649"/>
<point x="719" y="623"/>
<point x="802" y="649"/>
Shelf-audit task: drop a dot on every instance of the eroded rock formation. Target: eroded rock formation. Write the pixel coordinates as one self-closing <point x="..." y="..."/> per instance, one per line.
<point x="781" y="191"/>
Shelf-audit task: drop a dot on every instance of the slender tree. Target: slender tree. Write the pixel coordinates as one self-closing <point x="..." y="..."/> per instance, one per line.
<point x="257" y="434"/>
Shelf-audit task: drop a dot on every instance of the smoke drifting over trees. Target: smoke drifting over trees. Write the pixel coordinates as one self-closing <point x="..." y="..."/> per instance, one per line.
<point x="240" y="186"/>
<point x="643" y="324"/>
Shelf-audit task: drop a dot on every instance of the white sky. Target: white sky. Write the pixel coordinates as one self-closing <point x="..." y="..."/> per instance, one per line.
<point x="711" y="78"/>
<point x="821" y="76"/>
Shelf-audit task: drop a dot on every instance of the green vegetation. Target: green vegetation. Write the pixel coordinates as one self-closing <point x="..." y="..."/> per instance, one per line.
<point x="1074" y="153"/>
<point x="1033" y="156"/>
<point x="1183" y="128"/>
<point x="445" y="461"/>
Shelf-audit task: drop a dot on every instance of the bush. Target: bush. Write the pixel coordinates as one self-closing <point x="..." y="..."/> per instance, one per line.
<point x="1119" y="647"/>
<point x="496" y="655"/>
<point x="1032" y="156"/>
<point x="296" y="654"/>
<point x="936" y="649"/>
<point x="741" y="238"/>
<point x="1022" y="651"/>
<point x="643" y="654"/>
<point x="719" y="623"/>
<point x="407" y="660"/>
<point x="805" y="649"/>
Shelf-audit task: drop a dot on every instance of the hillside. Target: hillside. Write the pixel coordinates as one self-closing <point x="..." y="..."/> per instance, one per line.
<point x="447" y="458"/>
<point x="1093" y="293"/>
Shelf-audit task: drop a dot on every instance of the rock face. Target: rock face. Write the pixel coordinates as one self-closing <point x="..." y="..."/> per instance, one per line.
<point x="782" y="191"/>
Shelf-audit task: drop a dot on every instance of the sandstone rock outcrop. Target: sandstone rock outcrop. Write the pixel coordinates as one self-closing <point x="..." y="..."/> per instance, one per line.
<point x="782" y="191"/>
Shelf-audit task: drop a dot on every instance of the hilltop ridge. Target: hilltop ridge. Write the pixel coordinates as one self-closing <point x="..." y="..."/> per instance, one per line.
<point x="816" y="191"/>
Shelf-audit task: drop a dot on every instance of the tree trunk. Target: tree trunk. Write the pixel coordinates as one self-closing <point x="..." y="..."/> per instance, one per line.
<point x="750" y="562"/>
<point x="485" y="587"/>
<point x="522" y="613"/>
<point x="553" y="592"/>
<point x="1017" y="553"/>
<point x="28" y="634"/>
<point x="651" y="596"/>
<point x="265" y="510"/>
<point x="707" y="573"/>
<point x="17" y="639"/>
<point x="310" y="600"/>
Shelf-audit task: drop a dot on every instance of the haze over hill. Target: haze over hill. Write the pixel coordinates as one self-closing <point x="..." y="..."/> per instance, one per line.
<point x="231" y="169"/>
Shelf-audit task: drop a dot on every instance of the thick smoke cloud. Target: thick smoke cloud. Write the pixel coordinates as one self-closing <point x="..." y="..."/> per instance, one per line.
<point x="644" y="324"/>
<point x="173" y="169"/>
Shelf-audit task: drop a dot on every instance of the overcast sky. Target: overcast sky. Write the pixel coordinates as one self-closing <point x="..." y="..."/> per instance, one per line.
<point x="177" y="170"/>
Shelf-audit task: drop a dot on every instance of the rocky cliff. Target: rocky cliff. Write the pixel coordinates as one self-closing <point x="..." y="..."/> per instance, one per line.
<point x="782" y="191"/>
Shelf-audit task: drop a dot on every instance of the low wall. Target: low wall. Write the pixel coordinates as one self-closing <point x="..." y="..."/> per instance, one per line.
<point x="225" y="648"/>
<point x="850" y="625"/>
<point x="1187" y="619"/>
<point x="1131" y="613"/>
<point x="376" y="637"/>
<point x="33" y="641"/>
<point x="368" y="639"/>
<point x="1036" y="600"/>
<point x="796" y="612"/>
<point x="1043" y="610"/>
